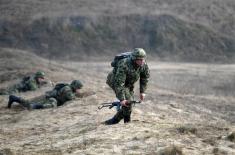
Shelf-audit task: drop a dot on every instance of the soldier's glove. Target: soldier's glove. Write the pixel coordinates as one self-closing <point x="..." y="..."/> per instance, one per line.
<point x="124" y="103"/>
<point x="142" y="96"/>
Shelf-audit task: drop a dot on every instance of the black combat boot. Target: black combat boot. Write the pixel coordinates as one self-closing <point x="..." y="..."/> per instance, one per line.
<point x="112" y="121"/>
<point x="12" y="99"/>
<point x="127" y="119"/>
<point x="16" y="99"/>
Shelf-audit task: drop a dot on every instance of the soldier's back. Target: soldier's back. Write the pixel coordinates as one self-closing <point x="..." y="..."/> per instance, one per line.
<point x="65" y="94"/>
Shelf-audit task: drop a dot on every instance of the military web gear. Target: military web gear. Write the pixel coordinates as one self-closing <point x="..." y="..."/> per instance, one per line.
<point x="59" y="86"/>
<point x="119" y="57"/>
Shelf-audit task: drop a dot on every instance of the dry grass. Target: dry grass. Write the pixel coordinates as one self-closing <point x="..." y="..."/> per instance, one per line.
<point x="75" y="128"/>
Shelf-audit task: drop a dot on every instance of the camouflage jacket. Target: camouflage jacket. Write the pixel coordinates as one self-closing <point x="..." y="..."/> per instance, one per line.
<point x="62" y="94"/>
<point x="27" y="84"/>
<point x="126" y="74"/>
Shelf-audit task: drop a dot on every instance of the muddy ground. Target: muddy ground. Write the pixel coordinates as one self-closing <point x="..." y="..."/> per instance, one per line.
<point x="191" y="106"/>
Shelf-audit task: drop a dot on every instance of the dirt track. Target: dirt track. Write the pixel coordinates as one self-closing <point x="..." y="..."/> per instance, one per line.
<point x="188" y="105"/>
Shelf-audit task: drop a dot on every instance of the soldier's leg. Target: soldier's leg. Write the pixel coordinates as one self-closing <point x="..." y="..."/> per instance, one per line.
<point x="116" y="119"/>
<point x="43" y="104"/>
<point x="10" y="90"/>
<point x="3" y="92"/>
<point x="32" y="104"/>
<point x="14" y="89"/>
<point x="50" y="103"/>
<point x="127" y="110"/>
<point x="127" y="114"/>
<point x="35" y="106"/>
<point x="124" y="112"/>
<point x="119" y="115"/>
<point x="19" y="100"/>
<point x="35" y="103"/>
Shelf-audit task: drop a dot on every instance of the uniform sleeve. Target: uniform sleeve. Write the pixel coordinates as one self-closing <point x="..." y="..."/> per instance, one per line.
<point x="144" y="78"/>
<point x="32" y="85"/>
<point x="68" y="94"/>
<point x="119" y="81"/>
<point x="51" y="93"/>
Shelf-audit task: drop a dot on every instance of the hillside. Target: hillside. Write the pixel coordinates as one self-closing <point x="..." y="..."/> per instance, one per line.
<point x="189" y="106"/>
<point x="190" y="101"/>
<point x="182" y="30"/>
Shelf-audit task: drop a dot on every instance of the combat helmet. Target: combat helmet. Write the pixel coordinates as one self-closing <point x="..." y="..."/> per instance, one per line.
<point x="40" y="74"/>
<point x="138" y="53"/>
<point x="76" y="84"/>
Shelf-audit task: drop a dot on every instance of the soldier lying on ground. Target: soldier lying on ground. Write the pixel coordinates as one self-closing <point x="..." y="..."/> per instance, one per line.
<point x="28" y="83"/>
<point x="58" y="96"/>
<point x="125" y="73"/>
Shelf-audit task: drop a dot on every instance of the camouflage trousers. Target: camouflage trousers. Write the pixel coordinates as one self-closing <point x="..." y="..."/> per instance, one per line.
<point x="42" y="102"/>
<point x="125" y="112"/>
<point x="11" y="90"/>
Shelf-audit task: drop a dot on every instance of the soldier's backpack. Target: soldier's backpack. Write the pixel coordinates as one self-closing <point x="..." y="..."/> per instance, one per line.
<point x="119" y="57"/>
<point x="24" y="85"/>
<point x="114" y="64"/>
<point x="54" y="92"/>
<point x="25" y="79"/>
<point x="58" y="86"/>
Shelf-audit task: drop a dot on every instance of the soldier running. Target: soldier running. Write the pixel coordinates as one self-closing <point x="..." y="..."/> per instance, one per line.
<point x="122" y="79"/>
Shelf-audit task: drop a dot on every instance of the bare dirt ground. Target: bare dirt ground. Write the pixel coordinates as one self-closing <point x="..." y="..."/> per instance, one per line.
<point x="191" y="106"/>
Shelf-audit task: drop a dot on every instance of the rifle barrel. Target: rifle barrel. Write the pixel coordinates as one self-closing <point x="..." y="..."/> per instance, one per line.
<point x="112" y="104"/>
<point x="106" y="103"/>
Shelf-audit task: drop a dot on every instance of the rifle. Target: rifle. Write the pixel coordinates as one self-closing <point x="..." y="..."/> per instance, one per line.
<point x="116" y="104"/>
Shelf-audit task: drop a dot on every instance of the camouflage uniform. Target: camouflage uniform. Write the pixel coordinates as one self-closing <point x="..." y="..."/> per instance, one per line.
<point x="57" y="97"/>
<point x="29" y="83"/>
<point x="122" y="80"/>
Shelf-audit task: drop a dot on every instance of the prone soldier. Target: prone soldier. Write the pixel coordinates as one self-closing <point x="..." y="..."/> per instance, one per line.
<point x="28" y="83"/>
<point x="58" y="96"/>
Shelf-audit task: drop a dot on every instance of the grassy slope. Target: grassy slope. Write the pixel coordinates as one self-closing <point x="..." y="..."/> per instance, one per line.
<point x="188" y="105"/>
<point x="47" y="26"/>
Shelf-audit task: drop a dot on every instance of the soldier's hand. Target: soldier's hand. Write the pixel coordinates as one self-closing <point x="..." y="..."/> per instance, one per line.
<point x="142" y="96"/>
<point x="124" y="103"/>
<point x="78" y="91"/>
